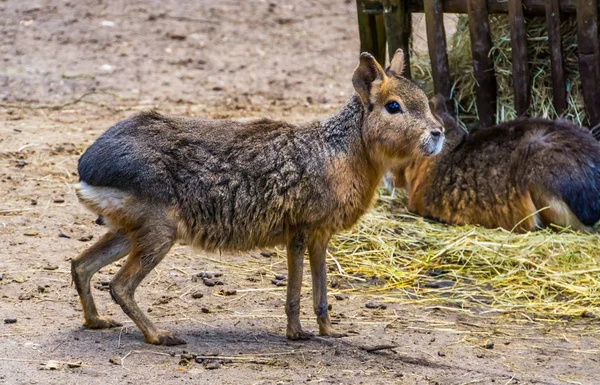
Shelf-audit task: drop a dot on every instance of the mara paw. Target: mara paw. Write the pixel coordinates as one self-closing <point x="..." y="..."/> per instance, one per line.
<point x="101" y="323"/>
<point x="165" y="338"/>
<point x="298" y="335"/>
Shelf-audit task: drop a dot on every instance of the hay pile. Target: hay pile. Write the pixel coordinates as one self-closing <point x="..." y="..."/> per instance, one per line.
<point x="542" y="275"/>
<point x="461" y="69"/>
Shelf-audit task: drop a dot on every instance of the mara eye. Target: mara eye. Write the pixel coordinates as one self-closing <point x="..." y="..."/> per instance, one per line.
<point x="393" y="107"/>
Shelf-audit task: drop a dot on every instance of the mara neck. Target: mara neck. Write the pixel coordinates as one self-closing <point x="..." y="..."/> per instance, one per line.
<point x="343" y="136"/>
<point x="351" y="159"/>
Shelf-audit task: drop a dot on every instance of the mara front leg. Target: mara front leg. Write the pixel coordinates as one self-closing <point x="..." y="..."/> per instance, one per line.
<point x="317" y="251"/>
<point x="296" y="247"/>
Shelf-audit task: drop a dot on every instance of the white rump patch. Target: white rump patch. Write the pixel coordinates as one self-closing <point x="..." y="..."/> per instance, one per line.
<point x="101" y="198"/>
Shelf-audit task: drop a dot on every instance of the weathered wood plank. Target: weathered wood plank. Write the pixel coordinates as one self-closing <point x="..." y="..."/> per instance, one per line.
<point x="531" y="7"/>
<point x="372" y="33"/>
<point x="559" y="90"/>
<point x="436" y="42"/>
<point x="398" y="28"/>
<point x="483" y="65"/>
<point x="381" y="40"/>
<point x="589" y="57"/>
<point x="518" y="40"/>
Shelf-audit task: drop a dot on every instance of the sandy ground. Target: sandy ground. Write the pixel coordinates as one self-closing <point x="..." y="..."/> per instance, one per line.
<point x="285" y="60"/>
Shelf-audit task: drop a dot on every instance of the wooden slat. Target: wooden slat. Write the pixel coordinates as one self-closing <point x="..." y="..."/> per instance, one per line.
<point x="381" y="39"/>
<point x="559" y="91"/>
<point x="436" y="41"/>
<point x="532" y="7"/>
<point x="518" y="40"/>
<point x="589" y="57"/>
<point x="483" y="65"/>
<point x="398" y="27"/>
<point x="372" y="33"/>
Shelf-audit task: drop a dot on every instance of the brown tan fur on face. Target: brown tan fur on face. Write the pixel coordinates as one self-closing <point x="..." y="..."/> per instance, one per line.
<point x="503" y="175"/>
<point x="225" y="185"/>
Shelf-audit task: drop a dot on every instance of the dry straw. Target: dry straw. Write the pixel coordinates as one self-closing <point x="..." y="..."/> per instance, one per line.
<point x="461" y="69"/>
<point x="541" y="275"/>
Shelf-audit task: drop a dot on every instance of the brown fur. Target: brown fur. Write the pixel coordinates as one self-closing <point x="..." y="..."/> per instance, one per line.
<point x="501" y="176"/>
<point x="237" y="186"/>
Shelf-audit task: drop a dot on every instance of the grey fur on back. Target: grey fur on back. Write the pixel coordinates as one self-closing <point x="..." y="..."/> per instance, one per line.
<point x="234" y="184"/>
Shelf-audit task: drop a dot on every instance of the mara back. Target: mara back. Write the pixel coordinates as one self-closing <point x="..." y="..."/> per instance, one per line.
<point x="233" y="184"/>
<point x="523" y="175"/>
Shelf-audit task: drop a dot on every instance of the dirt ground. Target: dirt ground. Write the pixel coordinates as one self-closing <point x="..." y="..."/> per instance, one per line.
<point x="68" y="70"/>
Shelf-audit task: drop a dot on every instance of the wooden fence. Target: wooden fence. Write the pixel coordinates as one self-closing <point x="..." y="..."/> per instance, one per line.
<point x="382" y="21"/>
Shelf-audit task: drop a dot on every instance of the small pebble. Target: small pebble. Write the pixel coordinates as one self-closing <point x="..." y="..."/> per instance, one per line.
<point x="204" y="274"/>
<point x="219" y="282"/>
<point x="115" y="361"/>
<point x="340" y="297"/>
<point x="208" y="282"/>
<point x="31" y="233"/>
<point x="50" y="267"/>
<point x="205" y="310"/>
<point x="375" y="305"/>
<point x="86" y="238"/>
<point x="33" y="202"/>
<point x="197" y="295"/>
<point x="73" y="365"/>
<point x="489" y="345"/>
<point x="441" y="354"/>
<point x="176" y="35"/>
<point x="265" y="254"/>
<point x="588" y="314"/>
<point x="59" y="200"/>
<point x="217" y="275"/>
<point x="278" y="283"/>
<point x="280" y="277"/>
<point x="199" y="360"/>
<point x="41" y="289"/>
<point x="228" y="292"/>
<point x="63" y="235"/>
<point x="10" y="320"/>
<point x="25" y="297"/>
<point x="439" y="284"/>
<point x="213" y="365"/>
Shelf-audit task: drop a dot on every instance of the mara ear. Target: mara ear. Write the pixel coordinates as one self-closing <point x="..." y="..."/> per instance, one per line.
<point x="367" y="73"/>
<point x="439" y="108"/>
<point x="397" y="63"/>
<point x="438" y="105"/>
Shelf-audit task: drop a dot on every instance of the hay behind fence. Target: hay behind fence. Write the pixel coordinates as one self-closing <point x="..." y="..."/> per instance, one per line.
<point x="461" y="69"/>
<point x="545" y="274"/>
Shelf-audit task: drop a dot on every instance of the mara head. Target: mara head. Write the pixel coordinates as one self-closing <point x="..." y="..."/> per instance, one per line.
<point x="409" y="171"/>
<point x="440" y="110"/>
<point x="398" y="122"/>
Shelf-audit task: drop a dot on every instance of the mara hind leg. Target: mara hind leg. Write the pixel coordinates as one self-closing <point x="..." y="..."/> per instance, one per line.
<point x="555" y="211"/>
<point x="151" y="244"/>
<point x="111" y="247"/>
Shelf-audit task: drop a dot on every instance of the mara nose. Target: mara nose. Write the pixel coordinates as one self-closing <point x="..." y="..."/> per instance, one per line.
<point x="436" y="133"/>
